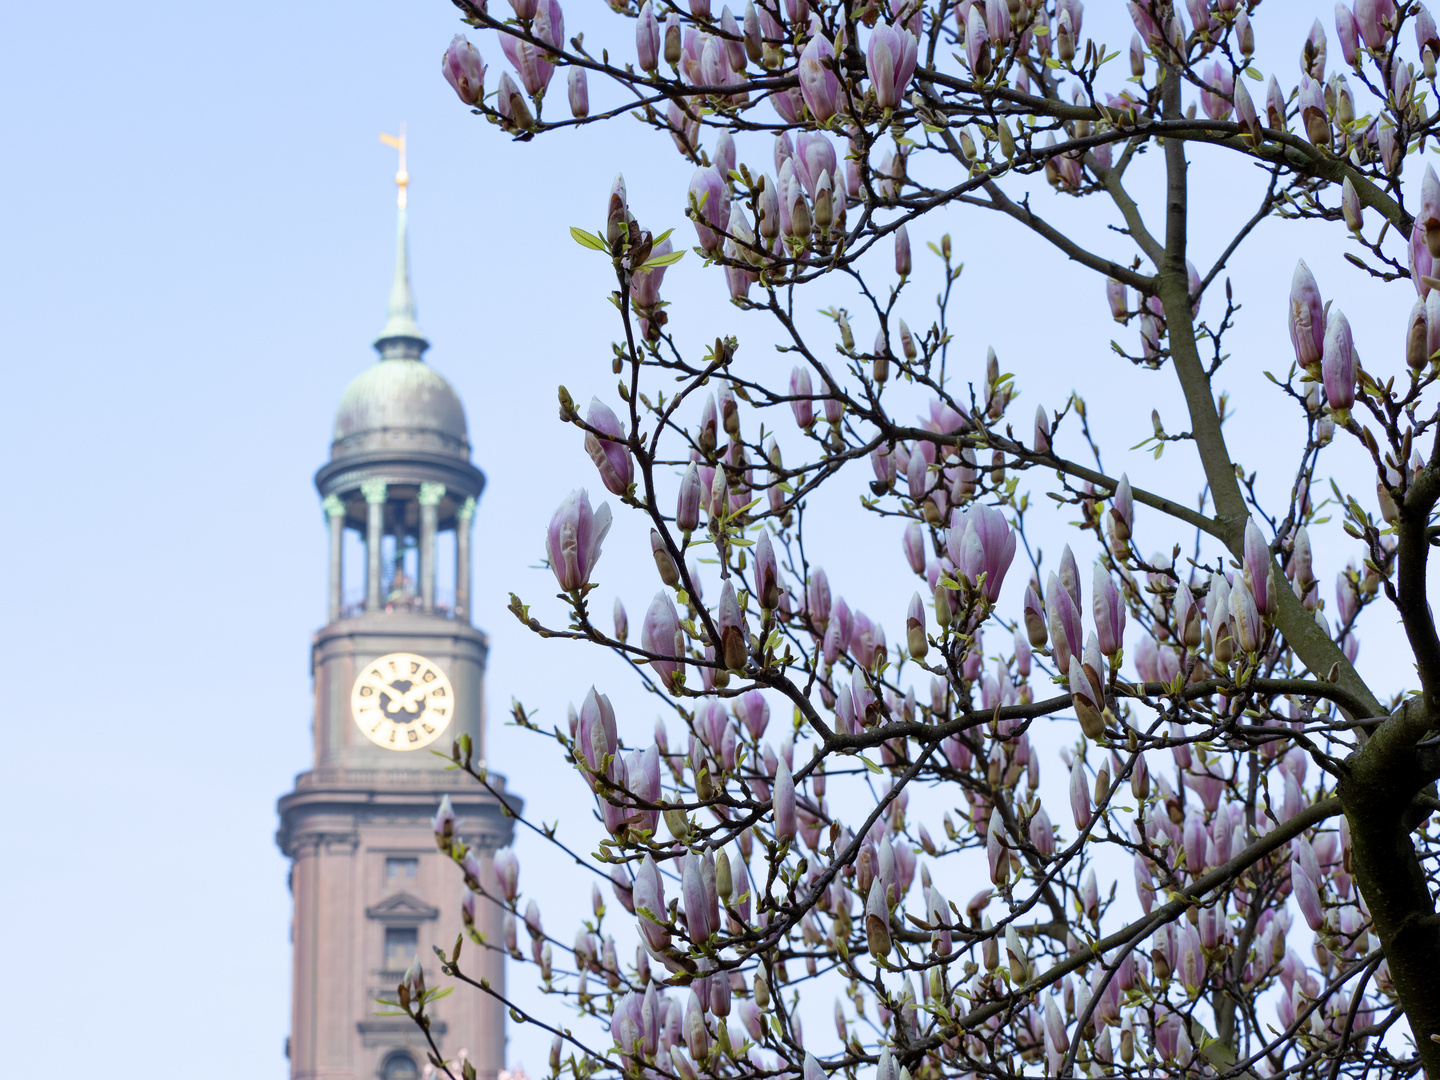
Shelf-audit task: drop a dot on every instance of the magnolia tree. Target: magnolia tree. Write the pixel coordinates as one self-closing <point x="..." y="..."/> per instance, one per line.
<point x="1237" y="884"/>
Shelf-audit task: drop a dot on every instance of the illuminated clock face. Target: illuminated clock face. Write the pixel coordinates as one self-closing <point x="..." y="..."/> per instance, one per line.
<point x="402" y="701"/>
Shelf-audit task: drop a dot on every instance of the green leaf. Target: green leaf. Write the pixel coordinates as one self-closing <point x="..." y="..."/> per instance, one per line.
<point x="589" y="240"/>
<point x="868" y="763"/>
<point x="663" y="260"/>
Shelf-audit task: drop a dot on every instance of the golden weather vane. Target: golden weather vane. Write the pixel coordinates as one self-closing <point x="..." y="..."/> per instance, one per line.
<point x="402" y="178"/>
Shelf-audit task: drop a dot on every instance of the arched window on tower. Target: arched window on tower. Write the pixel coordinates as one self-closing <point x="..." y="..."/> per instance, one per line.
<point x="399" y="1066"/>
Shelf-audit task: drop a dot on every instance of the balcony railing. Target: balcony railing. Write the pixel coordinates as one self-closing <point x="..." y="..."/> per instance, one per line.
<point x="398" y="600"/>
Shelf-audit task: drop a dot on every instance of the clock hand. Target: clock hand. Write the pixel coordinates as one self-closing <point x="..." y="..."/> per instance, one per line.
<point x="404" y="701"/>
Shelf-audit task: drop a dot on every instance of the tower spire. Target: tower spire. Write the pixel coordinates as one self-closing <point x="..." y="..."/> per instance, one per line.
<point x="401" y="336"/>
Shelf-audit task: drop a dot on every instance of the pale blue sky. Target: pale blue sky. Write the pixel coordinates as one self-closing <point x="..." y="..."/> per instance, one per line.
<point x="196" y="257"/>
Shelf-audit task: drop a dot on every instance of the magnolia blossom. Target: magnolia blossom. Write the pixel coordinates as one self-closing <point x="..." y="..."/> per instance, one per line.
<point x="574" y="538"/>
<point x="818" y="83"/>
<point x="890" y="60"/>
<point x="464" y="70"/>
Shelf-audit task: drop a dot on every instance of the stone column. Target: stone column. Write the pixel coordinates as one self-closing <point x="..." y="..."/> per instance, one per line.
<point x="335" y="511"/>
<point x="429" y="499"/>
<point x="374" y="492"/>
<point x="463" y="517"/>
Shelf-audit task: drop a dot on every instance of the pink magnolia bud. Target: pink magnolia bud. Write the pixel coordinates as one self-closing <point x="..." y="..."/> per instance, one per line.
<point x="1274" y="106"/>
<point x="1055" y="1033"/>
<point x="997" y="21"/>
<point x="579" y="90"/>
<point x="1245" y="618"/>
<point x="1117" y="296"/>
<point x="1428" y="217"/>
<point x="1187" y="617"/>
<point x="1042" y="833"/>
<point x="817" y="597"/>
<point x="687" y="507"/>
<point x="877" y="920"/>
<point x="813" y="157"/>
<point x="1257" y="565"/>
<point x="755" y="713"/>
<point x="902" y="252"/>
<point x="1088" y="702"/>
<point x="507" y="873"/>
<point x="1220" y="85"/>
<point x="1109" y="609"/>
<point x="1064" y="623"/>
<point x="710" y="199"/>
<point x="610" y="455"/>
<point x="464" y="70"/>
<point x="1417" y="334"/>
<point x="1426" y="36"/>
<point x="977" y="42"/>
<point x="818" y="84"/>
<point x="1313" y="116"/>
<point x="1079" y="793"/>
<point x="444" y="824"/>
<point x="645" y="284"/>
<point x="890" y="59"/>
<point x="1245" y="112"/>
<point x="694" y="898"/>
<point x="913" y="543"/>
<point x="647" y="39"/>
<point x="414" y="980"/>
<point x="731" y="625"/>
<point x="767" y="572"/>
<point x="1372" y="29"/>
<point x="1422" y="267"/>
<point x="915" y="638"/>
<point x="1306" y="317"/>
<point x="997" y="851"/>
<point x="1307" y="896"/>
<point x="724" y="155"/>
<point x="596" y="739"/>
<point x="784" y="802"/>
<point x="697" y="1037"/>
<point x="1145" y="25"/>
<point x="1348" y="33"/>
<point x="1312" y="53"/>
<point x="648" y="894"/>
<point x="574" y="537"/>
<point x="474" y="872"/>
<point x="1244" y="37"/>
<point x="530" y="62"/>
<point x="509" y="104"/>
<point x="1137" y="56"/>
<point x="982" y="546"/>
<point x="1122" y="509"/>
<point x="1432" y="324"/>
<point x="802" y="400"/>
<point x="660" y="634"/>
<point x="1191" y="967"/>
<point x="1337" y="364"/>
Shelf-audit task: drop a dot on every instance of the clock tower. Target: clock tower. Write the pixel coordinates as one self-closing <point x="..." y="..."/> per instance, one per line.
<point x="398" y="672"/>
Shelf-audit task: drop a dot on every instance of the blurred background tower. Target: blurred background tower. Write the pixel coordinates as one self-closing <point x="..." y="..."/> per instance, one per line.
<point x="398" y="671"/>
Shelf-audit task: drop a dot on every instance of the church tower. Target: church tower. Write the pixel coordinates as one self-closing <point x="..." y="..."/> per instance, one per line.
<point x="398" y="672"/>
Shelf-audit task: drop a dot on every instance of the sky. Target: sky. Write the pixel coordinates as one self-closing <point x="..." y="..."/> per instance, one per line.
<point x="196" y="260"/>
